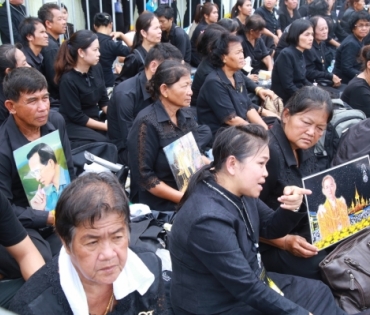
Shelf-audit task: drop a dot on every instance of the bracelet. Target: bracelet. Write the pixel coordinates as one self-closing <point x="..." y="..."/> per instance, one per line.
<point x="260" y="110"/>
<point x="258" y="89"/>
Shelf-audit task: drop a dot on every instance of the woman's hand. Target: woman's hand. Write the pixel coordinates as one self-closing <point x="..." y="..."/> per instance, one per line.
<point x="276" y="40"/>
<point x="262" y="93"/>
<point x="292" y="197"/>
<point x="298" y="246"/>
<point x="336" y="81"/>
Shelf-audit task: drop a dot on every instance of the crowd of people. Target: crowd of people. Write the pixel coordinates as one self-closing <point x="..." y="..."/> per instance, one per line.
<point x="240" y="241"/>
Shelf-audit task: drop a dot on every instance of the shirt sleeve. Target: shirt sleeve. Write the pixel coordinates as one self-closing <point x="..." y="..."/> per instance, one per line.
<point x="119" y="49"/>
<point x="11" y="231"/>
<point x="126" y="113"/>
<point x="130" y="68"/>
<point x="70" y="102"/>
<point x="104" y="99"/>
<point x="226" y="261"/>
<point x="285" y="67"/>
<point x="312" y="73"/>
<point x="180" y="41"/>
<point x="348" y="60"/>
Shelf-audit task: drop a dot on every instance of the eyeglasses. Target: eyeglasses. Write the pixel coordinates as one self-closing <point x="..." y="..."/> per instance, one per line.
<point x="363" y="25"/>
<point x="36" y="172"/>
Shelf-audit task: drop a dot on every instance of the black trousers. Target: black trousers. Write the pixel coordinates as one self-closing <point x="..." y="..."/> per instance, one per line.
<point x="80" y="135"/>
<point x="48" y="245"/>
<point x="8" y="288"/>
<point x="126" y="12"/>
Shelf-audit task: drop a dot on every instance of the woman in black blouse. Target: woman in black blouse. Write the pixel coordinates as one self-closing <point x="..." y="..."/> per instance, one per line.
<point x="155" y="127"/>
<point x="223" y="98"/>
<point x="205" y="14"/>
<point x="289" y="73"/>
<point x="292" y="157"/>
<point x="288" y="13"/>
<point x="241" y="12"/>
<point x="357" y="92"/>
<point x="147" y="33"/>
<point x="82" y="88"/>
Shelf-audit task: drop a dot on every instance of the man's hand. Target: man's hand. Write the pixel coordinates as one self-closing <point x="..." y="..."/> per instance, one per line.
<point x="38" y="202"/>
<point x="292" y="197"/>
<point x="298" y="246"/>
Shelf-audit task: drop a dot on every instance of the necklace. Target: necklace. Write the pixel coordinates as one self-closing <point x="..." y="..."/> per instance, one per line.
<point x="19" y="9"/>
<point x="250" y="233"/>
<point x="109" y="306"/>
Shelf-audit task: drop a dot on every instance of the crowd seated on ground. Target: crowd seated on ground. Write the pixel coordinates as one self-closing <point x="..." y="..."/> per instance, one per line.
<point x="156" y="100"/>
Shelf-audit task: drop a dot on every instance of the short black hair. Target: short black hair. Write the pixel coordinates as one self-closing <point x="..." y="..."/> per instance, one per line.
<point x="229" y="24"/>
<point x="45" y="12"/>
<point x="102" y="19"/>
<point x="28" y="27"/>
<point x="318" y="7"/>
<point x="220" y="47"/>
<point x="357" y="16"/>
<point x="23" y="80"/>
<point x="255" y="22"/>
<point x="166" y="11"/>
<point x="86" y="200"/>
<point x="45" y="153"/>
<point x="161" y="52"/>
<point x="297" y="28"/>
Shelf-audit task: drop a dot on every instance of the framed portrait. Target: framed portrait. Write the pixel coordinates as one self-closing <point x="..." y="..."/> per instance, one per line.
<point x="339" y="205"/>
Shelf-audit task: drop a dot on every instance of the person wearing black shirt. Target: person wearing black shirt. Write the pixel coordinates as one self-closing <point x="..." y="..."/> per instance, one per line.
<point x="288" y="13"/>
<point x="15" y="240"/>
<point x="82" y="88"/>
<point x="347" y="65"/>
<point x="241" y="12"/>
<point x="205" y="14"/>
<point x="292" y="157"/>
<point x="156" y="126"/>
<point x="131" y="96"/>
<point x="289" y="73"/>
<point x="30" y="119"/>
<point x="110" y="49"/>
<point x="10" y="58"/>
<point x="55" y="25"/>
<point x="18" y="13"/>
<point x="147" y="33"/>
<point x="172" y="33"/>
<point x="34" y="38"/>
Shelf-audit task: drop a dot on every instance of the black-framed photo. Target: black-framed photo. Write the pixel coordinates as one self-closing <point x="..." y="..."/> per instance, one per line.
<point x="339" y="205"/>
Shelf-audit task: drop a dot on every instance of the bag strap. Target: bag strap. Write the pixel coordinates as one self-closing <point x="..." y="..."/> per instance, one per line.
<point x="140" y="55"/>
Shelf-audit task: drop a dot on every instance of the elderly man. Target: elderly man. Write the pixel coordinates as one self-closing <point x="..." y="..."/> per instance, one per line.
<point x="27" y="100"/>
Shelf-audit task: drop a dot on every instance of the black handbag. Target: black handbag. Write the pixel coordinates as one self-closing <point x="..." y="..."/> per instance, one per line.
<point x="346" y="270"/>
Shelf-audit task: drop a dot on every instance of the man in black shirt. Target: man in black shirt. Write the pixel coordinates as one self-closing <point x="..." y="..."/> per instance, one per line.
<point x="27" y="100"/>
<point x="14" y="239"/>
<point x="55" y="25"/>
<point x="33" y="38"/>
<point x="172" y="33"/>
<point x="130" y="97"/>
<point x="18" y="13"/>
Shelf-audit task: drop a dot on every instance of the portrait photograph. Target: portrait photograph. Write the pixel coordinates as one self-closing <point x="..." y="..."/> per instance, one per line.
<point x="339" y="205"/>
<point x="42" y="168"/>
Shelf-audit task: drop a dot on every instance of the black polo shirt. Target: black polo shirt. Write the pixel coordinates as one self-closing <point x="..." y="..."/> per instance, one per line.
<point x="271" y="19"/>
<point x="10" y="183"/>
<point x="32" y="60"/>
<point x="151" y="131"/>
<point x="133" y="64"/>
<point x="178" y="37"/>
<point x="109" y="51"/>
<point x="289" y="73"/>
<point x="128" y="99"/>
<point x="347" y="65"/>
<point x="50" y="54"/>
<point x="219" y="101"/>
<point x="316" y="68"/>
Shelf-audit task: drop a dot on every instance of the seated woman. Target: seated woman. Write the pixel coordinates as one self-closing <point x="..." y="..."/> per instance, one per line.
<point x="147" y="33"/>
<point x="217" y="267"/>
<point x="289" y="73"/>
<point x="223" y="99"/>
<point x="347" y="65"/>
<point x="82" y="88"/>
<point x="155" y="127"/>
<point x="357" y="92"/>
<point x="288" y="13"/>
<point x="316" y="63"/>
<point x="11" y="57"/>
<point x="204" y="15"/>
<point x="351" y="6"/>
<point x="96" y="272"/>
<point x="254" y="46"/>
<point x="110" y="49"/>
<point x="292" y="157"/>
<point x="241" y="12"/>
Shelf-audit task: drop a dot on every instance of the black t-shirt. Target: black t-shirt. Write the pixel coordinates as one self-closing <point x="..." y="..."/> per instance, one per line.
<point x="109" y="51"/>
<point x="271" y="19"/>
<point x="357" y="95"/>
<point x="11" y="230"/>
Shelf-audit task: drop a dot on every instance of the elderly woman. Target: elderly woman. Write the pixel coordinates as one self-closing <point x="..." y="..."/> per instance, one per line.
<point x="155" y="127"/>
<point x="217" y="266"/>
<point x="96" y="272"/>
<point x="223" y="98"/>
